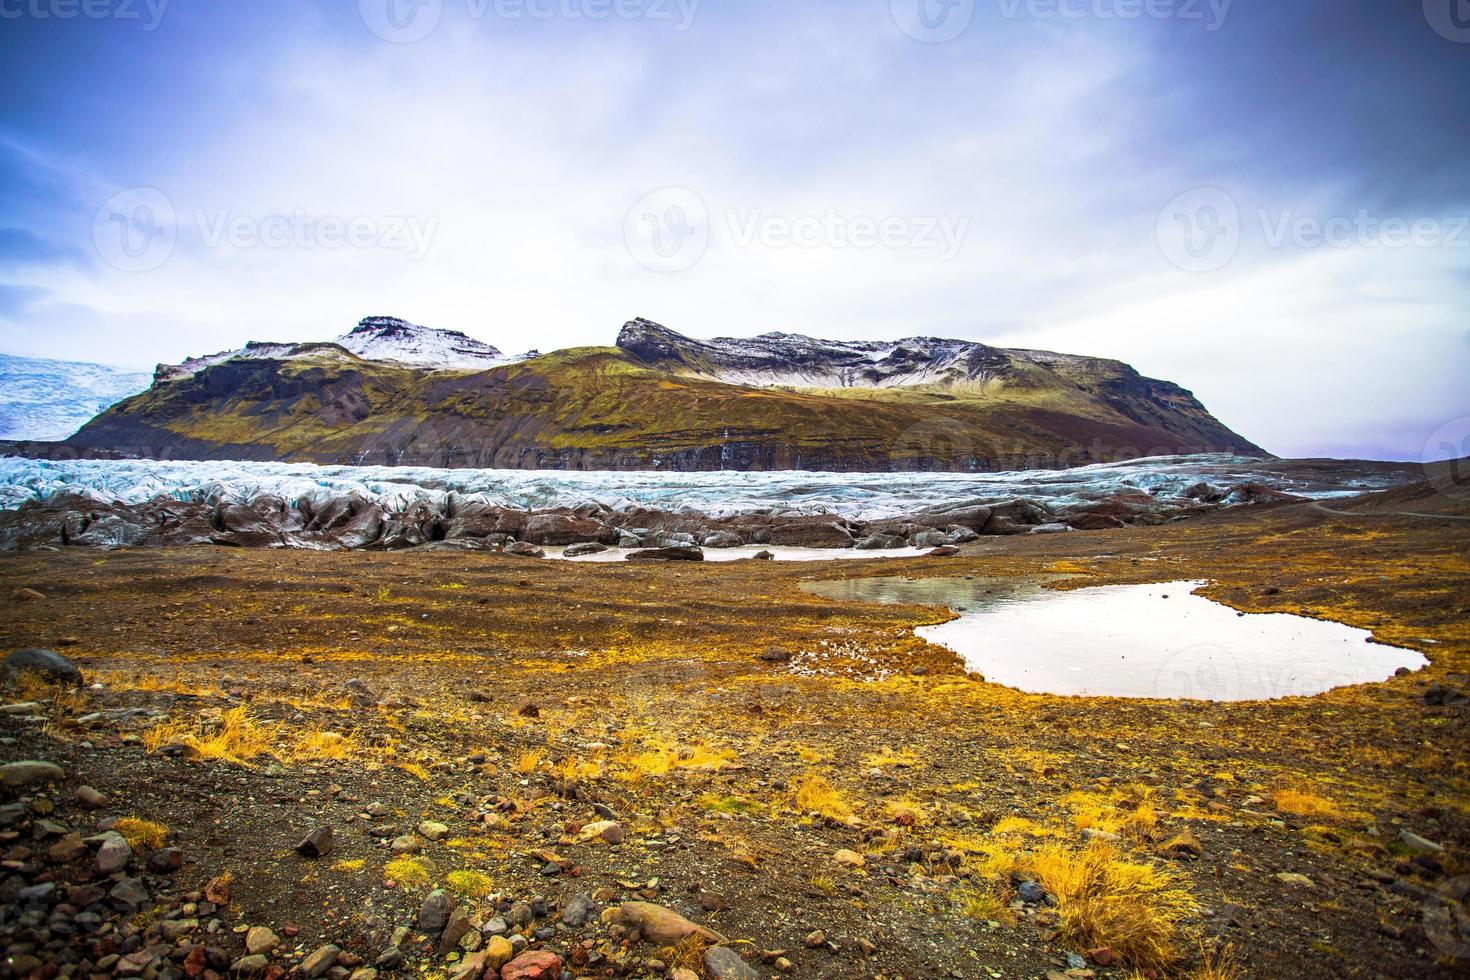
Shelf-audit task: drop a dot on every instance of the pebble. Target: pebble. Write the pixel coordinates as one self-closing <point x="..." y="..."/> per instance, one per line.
<point x="320" y="961"/>
<point x="90" y="799"/>
<point x="113" y="855"/>
<point x="1419" y="845"/>
<point x="435" y="912"/>
<point x="533" y="965"/>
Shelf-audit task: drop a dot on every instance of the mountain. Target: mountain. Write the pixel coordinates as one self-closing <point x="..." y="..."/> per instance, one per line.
<point x="392" y="393"/>
<point x="375" y="338"/>
<point x="44" y="399"/>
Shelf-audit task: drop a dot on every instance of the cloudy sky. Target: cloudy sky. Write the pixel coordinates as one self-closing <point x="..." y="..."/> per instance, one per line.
<point x="1264" y="201"/>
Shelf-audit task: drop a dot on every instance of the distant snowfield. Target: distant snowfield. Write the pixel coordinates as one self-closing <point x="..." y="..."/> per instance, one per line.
<point x="857" y="496"/>
<point x="50" y="400"/>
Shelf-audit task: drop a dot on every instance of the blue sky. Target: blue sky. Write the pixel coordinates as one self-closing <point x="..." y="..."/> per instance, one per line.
<point x="1264" y="201"/>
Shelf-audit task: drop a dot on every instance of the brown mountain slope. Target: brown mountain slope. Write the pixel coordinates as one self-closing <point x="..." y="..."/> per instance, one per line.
<point x="613" y="408"/>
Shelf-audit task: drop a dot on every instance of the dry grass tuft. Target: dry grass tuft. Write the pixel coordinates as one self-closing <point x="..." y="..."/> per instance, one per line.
<point x="1217" y="965"/>
<point x="409" y="872"/>
<point x="468" y="884"/>
<point x="236" y="737"/>
<point x="1304" y="803"/>
<point x="1104" y="899"/>
<point x="816" y="794"/>
<point x="146" y="835"/>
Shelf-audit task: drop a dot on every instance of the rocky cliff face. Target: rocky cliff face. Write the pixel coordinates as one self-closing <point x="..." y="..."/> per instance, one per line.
<point x="391" y="393"/>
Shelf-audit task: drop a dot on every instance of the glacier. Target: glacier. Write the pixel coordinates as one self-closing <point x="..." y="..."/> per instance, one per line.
<point x="855" y="496"/>
<point x="44" y="400"/>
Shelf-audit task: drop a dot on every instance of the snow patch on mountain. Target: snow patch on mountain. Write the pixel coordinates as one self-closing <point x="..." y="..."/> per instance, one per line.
<point x="796" y="361"/>
<point x="375" y="338"/>
<point x="386" y="338"/>
<point x="48" y="400"/>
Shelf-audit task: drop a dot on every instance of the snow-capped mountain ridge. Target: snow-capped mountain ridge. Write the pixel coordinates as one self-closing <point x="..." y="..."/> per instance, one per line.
<point x="375" y="338"/>
<point x="792" y="360"/>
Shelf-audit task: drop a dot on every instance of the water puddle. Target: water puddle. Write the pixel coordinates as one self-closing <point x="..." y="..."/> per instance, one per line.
<point x="750" y="551"/>
<point x="1137" y="641"/>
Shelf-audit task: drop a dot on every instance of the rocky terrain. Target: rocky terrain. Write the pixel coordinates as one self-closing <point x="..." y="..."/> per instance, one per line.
<point x="466" y="765"/>
<point x="396" y="394"/>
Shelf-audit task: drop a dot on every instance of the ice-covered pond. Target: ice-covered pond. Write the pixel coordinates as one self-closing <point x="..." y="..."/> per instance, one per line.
<point x="1137" y="641"/>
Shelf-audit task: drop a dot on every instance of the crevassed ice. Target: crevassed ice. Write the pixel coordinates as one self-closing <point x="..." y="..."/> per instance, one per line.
<point x="858" y="496"/>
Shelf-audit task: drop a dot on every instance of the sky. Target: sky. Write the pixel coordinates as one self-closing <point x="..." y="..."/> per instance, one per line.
<point x="1266" y="202"/>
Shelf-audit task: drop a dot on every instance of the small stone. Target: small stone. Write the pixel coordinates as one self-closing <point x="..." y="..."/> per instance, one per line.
<point x="261" y="940"/>
<point x="1298" y="880"/>
<point x="435" y="912"/>
<point x="498" y="952"/>
<point x="67" y="850"/>
<point x="316" y="844"/>
<point x="454" y="930"/>
<point x="1031" y="893"/>
<point x="49" y="664"/>
<point x="249" y="966"/>
<point x="113" y="855"/>
<point x="815" y="939"/>
<point x="320" y="961"/>
<point x="1183" y="845"/>
<point x="849" y="859"/>
<point x="576" y="911"/>
<point x="166" y="861"/>
<point x="1102" y="956"/>
<point x="1419" y="845"/>
<point x="532" y="965"/>
<point x="723" y="963"/>
<point x="609" y="831"/>
<point x="90" y="799"/>
<point x="175" y="929"/>
<point x="30" y="773"/>
<point x="433" y="831"/>
<point x="406" y="844"/>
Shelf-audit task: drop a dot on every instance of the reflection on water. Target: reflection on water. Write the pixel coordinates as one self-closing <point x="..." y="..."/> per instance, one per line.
<point x="1143" y="641"/>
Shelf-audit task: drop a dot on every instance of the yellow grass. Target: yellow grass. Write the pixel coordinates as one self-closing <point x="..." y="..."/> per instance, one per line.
<point x="409" y="872"/>
<point x="468" y="884"/>
<point x="528" y="762"/>
<point x="142" y="834"/>
<point x="237" y="737"/>
<point x="816" y="794"/>
<point x="352" y="864"/>
<point x="1303" y="803"/>
<point x="1103" y="899"/>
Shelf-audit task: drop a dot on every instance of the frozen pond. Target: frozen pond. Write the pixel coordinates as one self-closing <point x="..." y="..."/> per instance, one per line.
<point x="1139" y="641"/>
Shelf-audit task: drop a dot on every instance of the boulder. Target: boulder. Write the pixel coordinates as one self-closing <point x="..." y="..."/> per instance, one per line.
<point x="880" y="542"/>
<point x="524" y="549"/>
<point x="723" y="539"/>
<point x="586" y="548"/>
<point x="555" y="528"/>
<point x="667" y="554"/>
<point x="818" y="534"/>
<point x="52" y="666"/>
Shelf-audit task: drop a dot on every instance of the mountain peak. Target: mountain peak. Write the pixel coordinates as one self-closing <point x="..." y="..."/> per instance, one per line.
<point x="387" y="338"/>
